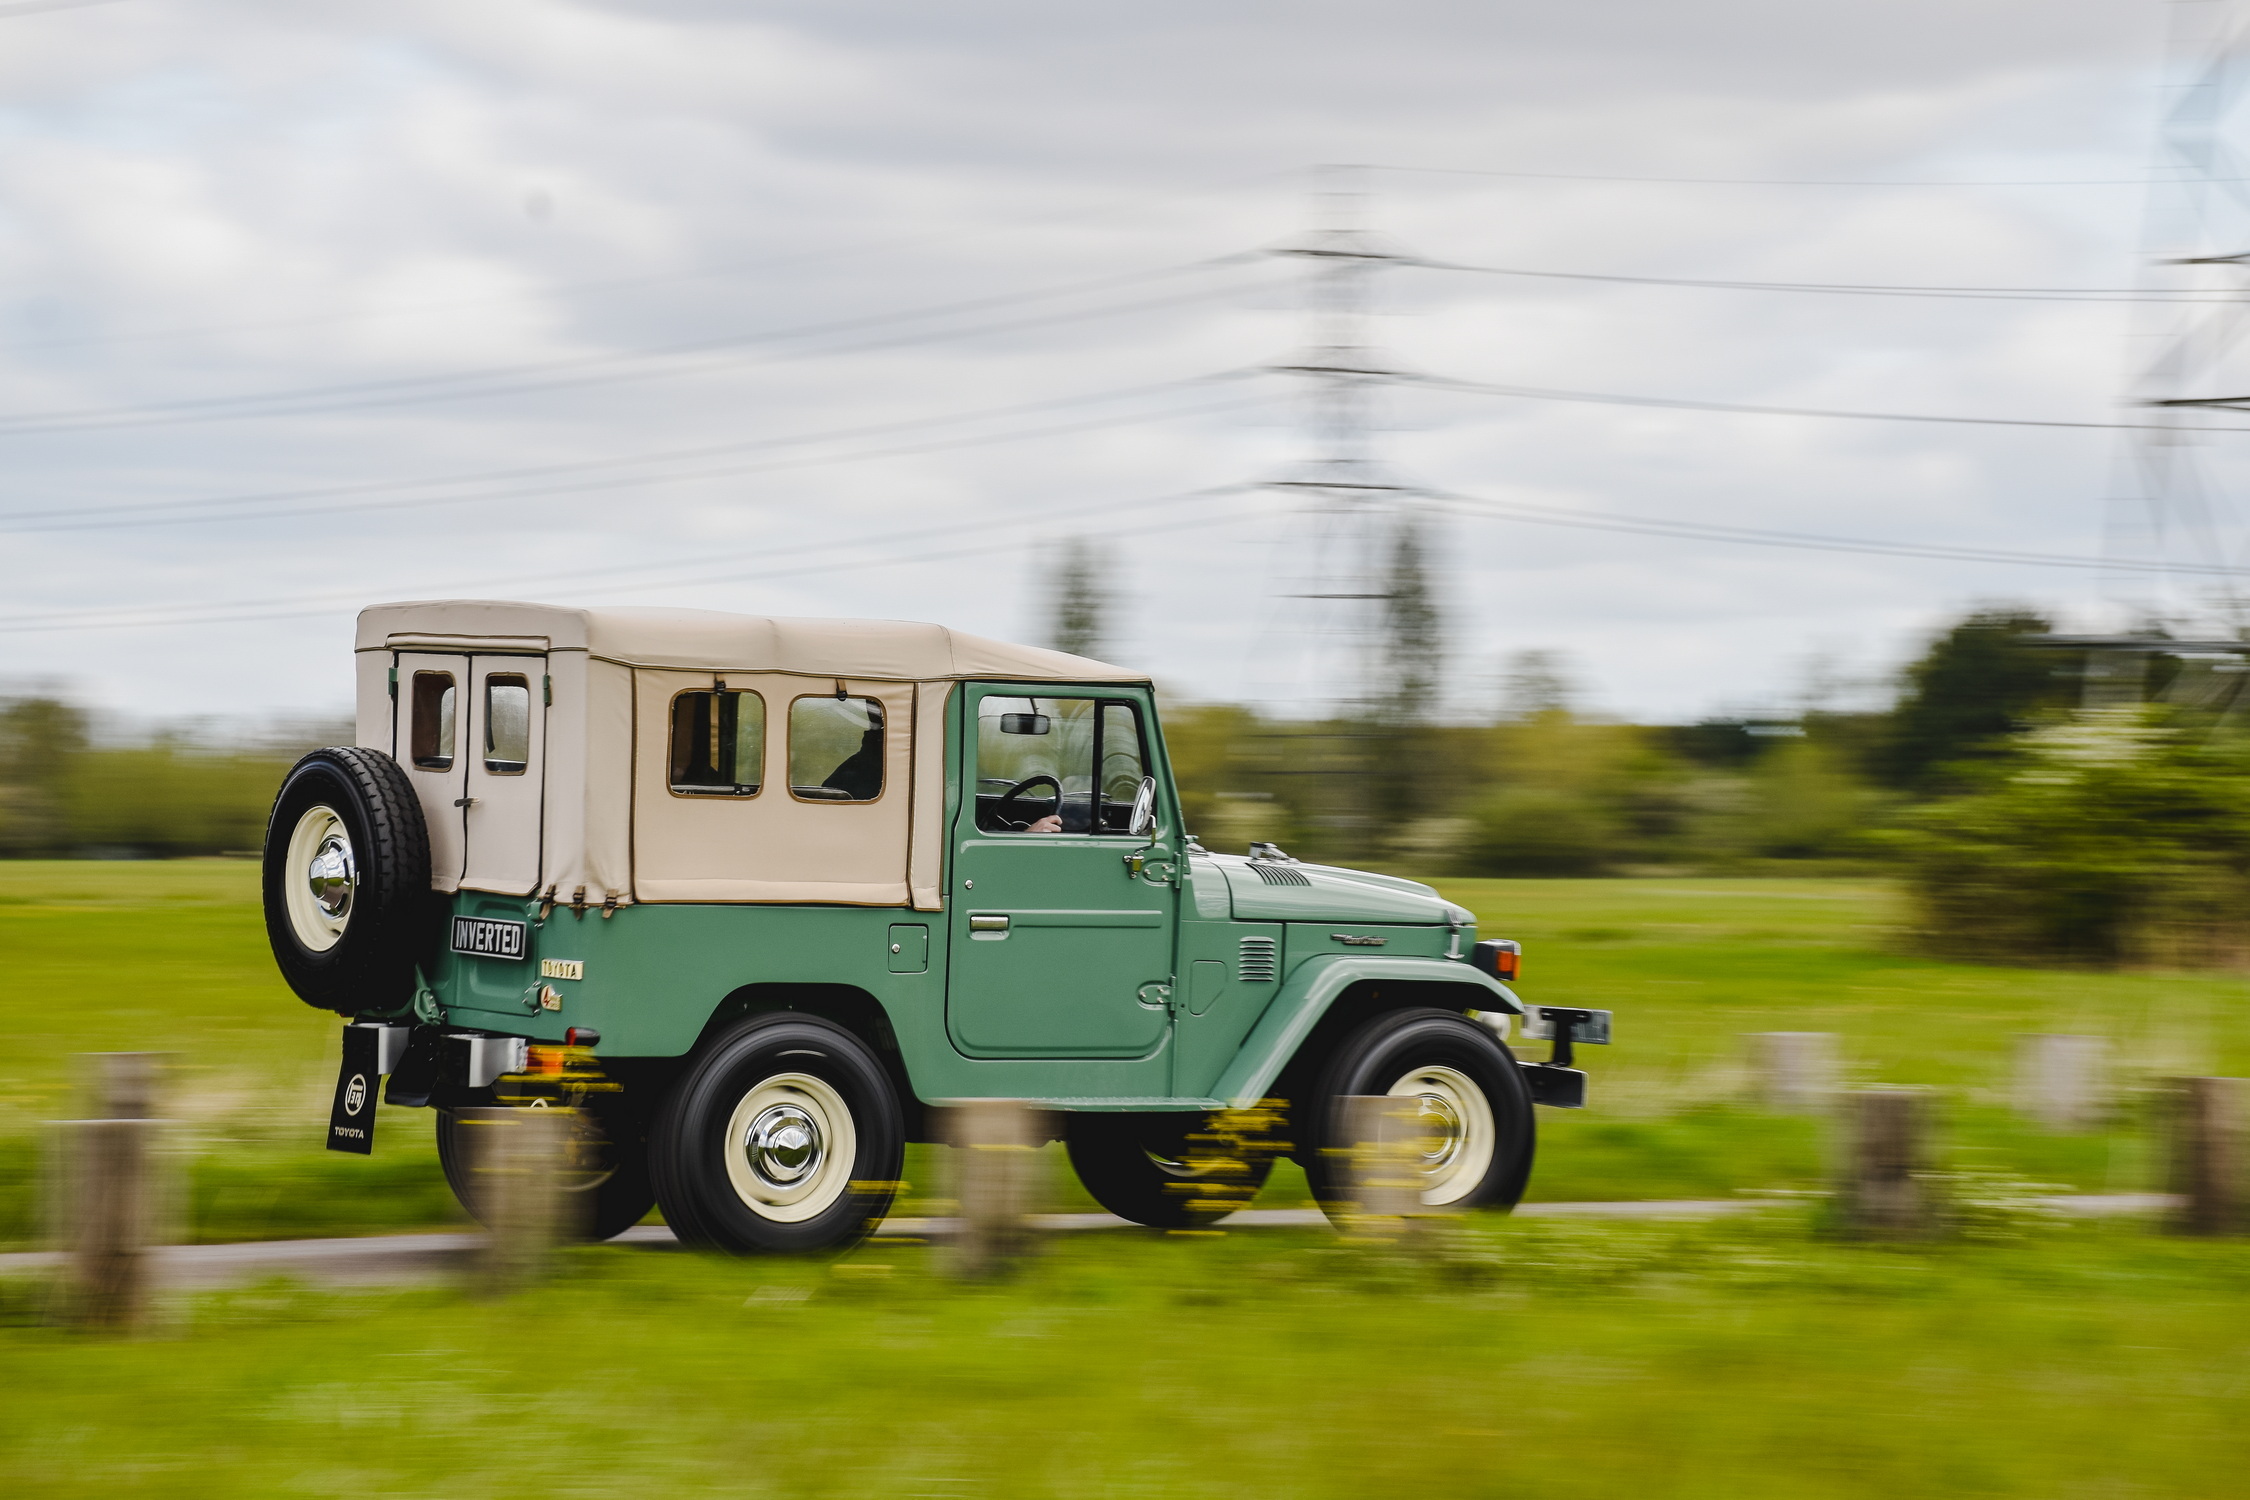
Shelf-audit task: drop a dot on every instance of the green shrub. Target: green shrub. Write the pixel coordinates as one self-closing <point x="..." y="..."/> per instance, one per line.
<point x="2111" y="836"/>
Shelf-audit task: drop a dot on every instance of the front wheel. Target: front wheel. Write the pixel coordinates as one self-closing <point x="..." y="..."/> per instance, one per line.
<point x="1475" y="1110"/>
<point x="785" y="1136"/>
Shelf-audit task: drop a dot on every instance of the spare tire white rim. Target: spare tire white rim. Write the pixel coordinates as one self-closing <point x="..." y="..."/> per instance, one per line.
<point x="1457" y="1134"/>
<point x="790" y="1146"/>
<point x="320" y="878"/>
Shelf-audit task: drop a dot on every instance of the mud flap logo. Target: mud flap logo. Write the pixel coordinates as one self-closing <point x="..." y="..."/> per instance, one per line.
<point x="351" y="1124"/>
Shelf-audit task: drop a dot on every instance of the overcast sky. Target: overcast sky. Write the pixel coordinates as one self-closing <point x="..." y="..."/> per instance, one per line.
<point x="857" y="308"/>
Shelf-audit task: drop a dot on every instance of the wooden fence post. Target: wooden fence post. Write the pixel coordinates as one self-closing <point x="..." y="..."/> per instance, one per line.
<point x="998" y="1171"/>
<point x="2059" y="1080"/>
<point x="1883" y="1194"/>
<point x="1382" y="1139"/>
<point x="1795" y="1071"/>
<point x="109" y="1211"/>
<point x="2207" y="1155"/>
<point x="519" y="1158"/>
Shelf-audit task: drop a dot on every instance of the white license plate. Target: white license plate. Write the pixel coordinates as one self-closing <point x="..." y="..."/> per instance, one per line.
<point x="488" y="937"/>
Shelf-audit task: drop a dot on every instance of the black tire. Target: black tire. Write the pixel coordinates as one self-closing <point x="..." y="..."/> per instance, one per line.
<point x="358" y="958"/>
<point x="803" y="1084"/>
<point x="1456" y="1055"/>
<point x="1143" y="1167"/>
<point x="609" y="1166"/>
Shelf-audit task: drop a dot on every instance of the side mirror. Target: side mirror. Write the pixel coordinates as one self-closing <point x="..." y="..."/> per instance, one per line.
<point x="1143" y="821"/>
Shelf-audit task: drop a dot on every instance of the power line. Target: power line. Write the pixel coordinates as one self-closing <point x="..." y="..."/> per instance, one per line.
<point x="616" y="578"/>
<point x="564" y="290"/>
<point x="1543" y="515"/>
<point x="1681" y="403"/>
<point x="1850" y="289"/>
<point x="408" y="390"/>
<point x="252" y="507"/>
<point x="1840" y="182"/>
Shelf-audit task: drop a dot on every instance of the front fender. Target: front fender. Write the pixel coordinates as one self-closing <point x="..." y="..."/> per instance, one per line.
<point x="1313" y="986"/>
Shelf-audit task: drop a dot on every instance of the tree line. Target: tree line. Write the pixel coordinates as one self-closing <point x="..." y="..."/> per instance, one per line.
<point x="2023" y="824"/>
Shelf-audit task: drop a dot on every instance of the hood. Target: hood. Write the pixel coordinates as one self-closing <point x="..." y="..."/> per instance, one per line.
<point x="1267" y="891"/>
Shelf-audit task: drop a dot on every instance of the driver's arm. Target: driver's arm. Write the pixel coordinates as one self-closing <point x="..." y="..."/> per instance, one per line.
<point x="1049" y="824"/>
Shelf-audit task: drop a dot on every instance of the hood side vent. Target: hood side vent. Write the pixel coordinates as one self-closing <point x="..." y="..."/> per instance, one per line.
<point x="1273" y="874"/>
<point x="1259" y="962"/>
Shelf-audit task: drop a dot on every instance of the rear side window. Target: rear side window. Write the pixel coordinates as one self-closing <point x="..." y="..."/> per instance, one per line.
<point x="507" y="724"/>
<point x="430" y="732"/>
<point x="836" y="749"/>
<point x="718" y="744"/>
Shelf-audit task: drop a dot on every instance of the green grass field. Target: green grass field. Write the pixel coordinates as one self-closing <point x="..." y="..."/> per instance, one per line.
<point x="171" y="957"/>
<point x="1747" y="1357"/>
<point x="1741" y="1359"/>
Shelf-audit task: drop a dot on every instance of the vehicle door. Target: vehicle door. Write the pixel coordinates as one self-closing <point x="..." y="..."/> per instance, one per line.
<point x="1060" y="940"/>
<point x="426" y="739"/>
<point x="505" y="750"/>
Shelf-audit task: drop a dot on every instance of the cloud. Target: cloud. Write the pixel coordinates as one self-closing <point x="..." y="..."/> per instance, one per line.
<point x="476" y="228"/>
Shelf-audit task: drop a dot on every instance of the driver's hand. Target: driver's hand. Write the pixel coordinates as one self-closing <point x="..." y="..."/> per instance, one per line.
<point x="1049" y="824"/>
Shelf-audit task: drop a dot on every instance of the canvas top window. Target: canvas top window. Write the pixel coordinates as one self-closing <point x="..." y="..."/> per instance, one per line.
<point x="1057" y="765"/>
<point x="836" y="749"/>
<point x="507" y="724"/>
<point x="430" y="730"/>
<point x="718" y="746"/>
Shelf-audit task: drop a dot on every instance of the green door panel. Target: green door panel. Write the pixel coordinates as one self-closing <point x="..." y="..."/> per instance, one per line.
<point x="1056" y="947"/>
<point x="1082" y="940"/>
<point x="1313" y="986"/>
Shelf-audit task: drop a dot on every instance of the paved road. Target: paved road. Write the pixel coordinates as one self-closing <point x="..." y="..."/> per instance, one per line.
<point x="377" y="1259"/>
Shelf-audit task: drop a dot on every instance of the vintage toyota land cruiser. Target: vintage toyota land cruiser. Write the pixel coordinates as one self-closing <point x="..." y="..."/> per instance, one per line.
<point x="757" y="892"/>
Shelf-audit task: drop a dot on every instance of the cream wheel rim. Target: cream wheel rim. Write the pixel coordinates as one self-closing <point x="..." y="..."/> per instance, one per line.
<point x="790" y="1146"/>
<point x="320" y="878"/>
<point x="1456" y="1136"/>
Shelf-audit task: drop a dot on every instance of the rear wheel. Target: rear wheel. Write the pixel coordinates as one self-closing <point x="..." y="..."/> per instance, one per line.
<point x="1477" y="1134"/>
<point x="1145" y="1168"/>
<point x="608" y="1166"/>
<point x="785" y="1136"/>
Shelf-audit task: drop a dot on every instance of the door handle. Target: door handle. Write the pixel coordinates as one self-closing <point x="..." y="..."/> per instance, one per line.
<point x="997" y="923"/>
<point x="464" y="802"/>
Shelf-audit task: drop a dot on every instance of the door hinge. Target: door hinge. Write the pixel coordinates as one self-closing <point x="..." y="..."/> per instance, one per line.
<point x="547" y="690"/>
<point x="1163" y="871"/>
<point x="394" y="684"/>
<point x="1156" y="995"/>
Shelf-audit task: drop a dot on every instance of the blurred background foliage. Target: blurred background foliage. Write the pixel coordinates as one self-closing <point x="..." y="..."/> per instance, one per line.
<point x="180" y="790"/>
<point x="2025" y="828"/>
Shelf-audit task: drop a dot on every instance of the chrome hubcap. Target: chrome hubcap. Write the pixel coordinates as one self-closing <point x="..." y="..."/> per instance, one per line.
<point x="1440" y="1127"/>
<point x="783" y="1144"/>
<point x="333" y="876"/>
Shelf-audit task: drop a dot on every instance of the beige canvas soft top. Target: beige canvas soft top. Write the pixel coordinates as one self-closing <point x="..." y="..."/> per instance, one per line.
<point x="713" y="640"/>
<point x="597" y="814"/>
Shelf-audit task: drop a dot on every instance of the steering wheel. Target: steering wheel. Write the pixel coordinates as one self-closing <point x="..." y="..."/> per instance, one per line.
<point x="1008" y="797"/>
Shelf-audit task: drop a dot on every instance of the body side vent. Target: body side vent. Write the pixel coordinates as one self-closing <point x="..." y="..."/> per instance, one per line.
<point x="1259" y="962"/>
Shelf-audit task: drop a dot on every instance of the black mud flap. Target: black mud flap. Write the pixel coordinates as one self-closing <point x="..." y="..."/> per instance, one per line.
<point x="351" y="1118"/>
<point x="1557" y="1088"/>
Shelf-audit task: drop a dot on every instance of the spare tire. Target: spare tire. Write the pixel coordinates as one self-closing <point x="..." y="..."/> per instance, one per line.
<point x="347" y="881"/>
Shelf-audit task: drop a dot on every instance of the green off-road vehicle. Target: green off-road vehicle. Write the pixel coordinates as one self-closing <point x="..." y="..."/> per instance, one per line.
<point x="755" y="893"/>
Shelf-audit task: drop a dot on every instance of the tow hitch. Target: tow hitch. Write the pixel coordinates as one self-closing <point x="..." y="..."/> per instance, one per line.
<point x="1555" y="1082"/>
